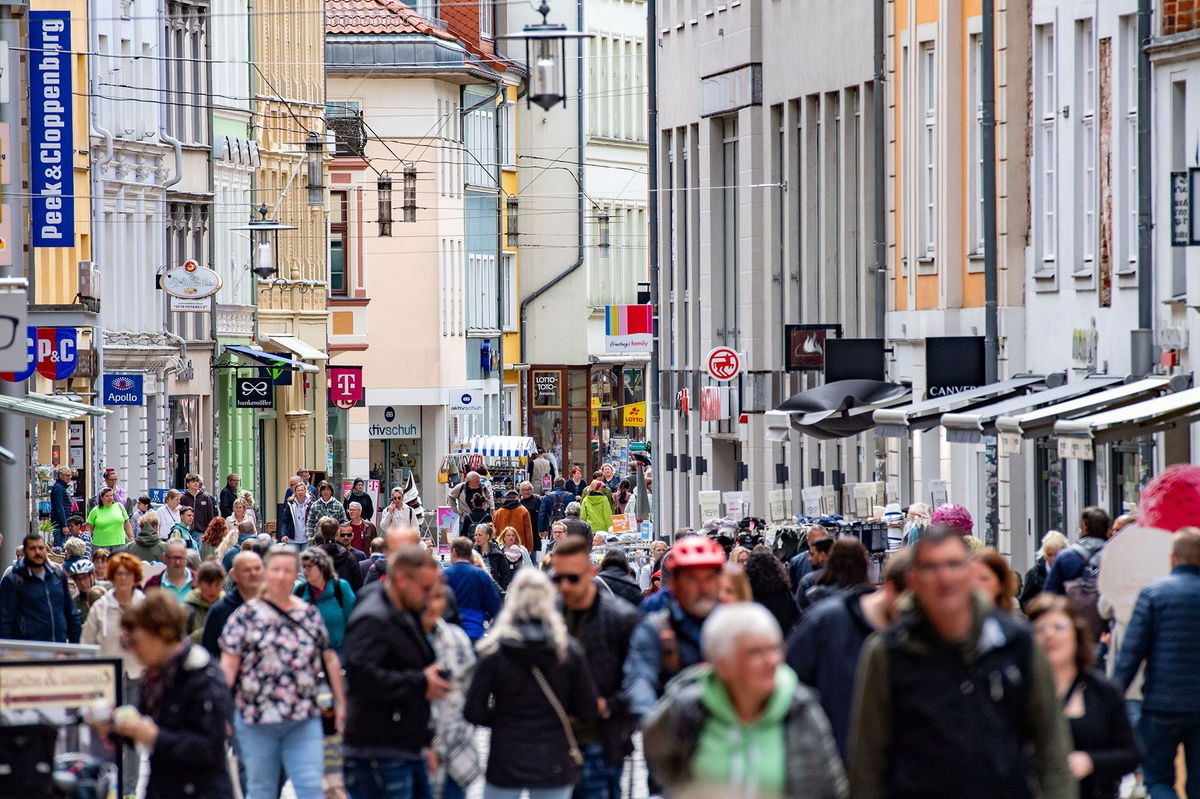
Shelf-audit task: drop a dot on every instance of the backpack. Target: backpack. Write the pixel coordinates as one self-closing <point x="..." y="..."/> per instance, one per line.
<point x="558" y="508"/>
<point x="337" y="593"/>
<point x="1083" y="592"/>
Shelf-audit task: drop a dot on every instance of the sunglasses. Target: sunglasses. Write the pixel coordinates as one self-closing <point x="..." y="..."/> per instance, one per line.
<point x="570" y="578"/>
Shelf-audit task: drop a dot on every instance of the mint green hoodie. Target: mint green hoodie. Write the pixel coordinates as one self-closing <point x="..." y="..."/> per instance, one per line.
<point x="751" y="759"/>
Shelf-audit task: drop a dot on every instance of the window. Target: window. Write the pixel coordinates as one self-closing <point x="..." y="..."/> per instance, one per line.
<point x="975" y="143"/>
<point x="927" y="65"/>
<point x="508" y="278"/>
<point x="481" y="292"/>
<point x="426" y="8"/>
<point x="1045" y="151"/>
<point x="508" y="135"/>
<point x="186" y="70"/>
<point x="1127" y="253"/>
<point x="338" y="238"/>
<point x="729" y="233"/>
<point x="617" y="74"/>
<point x="344" y="118"/>
<point x="480" y="140"/>
<point x="487" y="16"/>
<point x="1087" y="184"/>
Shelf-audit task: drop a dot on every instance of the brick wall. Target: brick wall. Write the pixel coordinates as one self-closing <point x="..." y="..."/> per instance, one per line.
<point x="1179" y="16"/>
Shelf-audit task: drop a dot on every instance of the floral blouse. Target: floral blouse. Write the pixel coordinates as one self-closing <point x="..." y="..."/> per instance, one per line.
<point x="277" y="680"/>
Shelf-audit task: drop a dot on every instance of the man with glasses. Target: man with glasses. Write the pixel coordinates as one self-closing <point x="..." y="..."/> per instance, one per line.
<point x="476" y="592"/>
<point x="177" y="579"/>
<point x="345" y="537"/>
<point x="60" y="504"/>
<point x="603" y="624"/>
<point x="955" y="682"/>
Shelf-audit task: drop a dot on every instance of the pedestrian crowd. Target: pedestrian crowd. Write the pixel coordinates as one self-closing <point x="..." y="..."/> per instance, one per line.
<point x="822" y="674"/>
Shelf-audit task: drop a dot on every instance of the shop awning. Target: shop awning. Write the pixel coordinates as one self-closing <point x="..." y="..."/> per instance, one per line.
<point x="270" y="359"/>
<point x="500" y="446"/>
<point x="295" y="345"/>
<point x="1040" y="423"/>
<point x="79" y="407"/>
<point x="969" y="427"/>
<point x="34" y="408"/>
<point x="841" y="408"/>
<point x="1130" y="421"/>
<point x="924" y="415"/>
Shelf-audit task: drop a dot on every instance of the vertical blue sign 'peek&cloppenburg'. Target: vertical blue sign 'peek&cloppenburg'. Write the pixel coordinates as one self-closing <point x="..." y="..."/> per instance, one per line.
<point x="51" y="171"/>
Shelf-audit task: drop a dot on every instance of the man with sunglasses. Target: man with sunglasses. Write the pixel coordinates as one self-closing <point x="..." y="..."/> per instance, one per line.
<point x="345" y="537"/>
<point x="603" y="624"/>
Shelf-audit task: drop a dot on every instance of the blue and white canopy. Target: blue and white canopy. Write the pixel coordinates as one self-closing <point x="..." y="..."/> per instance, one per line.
<point x="500" y="446"/>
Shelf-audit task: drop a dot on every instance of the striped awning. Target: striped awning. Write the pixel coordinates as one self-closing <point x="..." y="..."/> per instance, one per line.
<point x="500" y="446"/>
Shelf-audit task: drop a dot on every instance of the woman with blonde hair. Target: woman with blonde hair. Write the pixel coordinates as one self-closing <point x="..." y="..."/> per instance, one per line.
<point x="739" y="555"/>
<point x="1053" y="542"/>
<point x="516" y="556"/>
<point x="735" y="586"/>
<point x="530" y="681"/>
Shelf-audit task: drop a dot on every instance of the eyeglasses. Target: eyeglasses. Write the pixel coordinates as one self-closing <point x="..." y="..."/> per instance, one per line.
<point x="1047" y="627"/>
<point x="309" y="566"/>
<point x="570" y="578"/>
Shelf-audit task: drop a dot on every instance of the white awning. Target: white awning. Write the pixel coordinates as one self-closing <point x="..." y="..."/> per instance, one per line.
<point x="295" y="345"/>
<point x="32" y="407"/>
<point x="1040" y="423"/>
<point x="71" y="405"/>
<point x="500" y="446"/>
<point x="1150" y="416"/>
<point x="899" y="422"/>
<point x="969" y="427"/>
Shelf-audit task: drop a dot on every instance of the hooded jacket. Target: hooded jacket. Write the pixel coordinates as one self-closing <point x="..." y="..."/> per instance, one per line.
<point x="38" y="609"/>
<point x="621" y="584"/>
<point x="344" y="563"/>
<point x="147" y="546"/>
<point x="362" y="498"/>
<point x="103" y="628"/>
<point x="197" y="610"/>
<point x="694" y="735"/>
<point x="529" y="748"/>
<point x="645" y="674"/>
<point x="335" y="603"/>
<point x="596" y="510"/>
<point x="513" y="514"/>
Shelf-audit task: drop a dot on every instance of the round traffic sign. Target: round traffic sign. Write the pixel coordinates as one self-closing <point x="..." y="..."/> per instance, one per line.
<point x="723" y="363"/>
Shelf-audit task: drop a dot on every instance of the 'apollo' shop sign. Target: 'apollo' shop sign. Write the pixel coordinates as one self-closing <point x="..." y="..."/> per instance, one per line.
<point x="394" y="421"/>
<point x="51" y="173"/>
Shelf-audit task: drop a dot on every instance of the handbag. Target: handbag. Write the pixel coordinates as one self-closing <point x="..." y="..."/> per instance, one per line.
<point x="576" y="755"/>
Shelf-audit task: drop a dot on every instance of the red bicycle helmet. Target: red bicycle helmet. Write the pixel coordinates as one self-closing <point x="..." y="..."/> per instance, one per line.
<point x="695" y="552"/>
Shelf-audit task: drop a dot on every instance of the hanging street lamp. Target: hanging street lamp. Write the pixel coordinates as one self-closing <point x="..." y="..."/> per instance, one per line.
<point x="264" y="239"/>
<point x="545" y="59"/>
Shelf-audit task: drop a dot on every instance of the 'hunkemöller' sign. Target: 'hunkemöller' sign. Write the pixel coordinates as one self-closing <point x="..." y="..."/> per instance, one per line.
<point x="51" y="170"/>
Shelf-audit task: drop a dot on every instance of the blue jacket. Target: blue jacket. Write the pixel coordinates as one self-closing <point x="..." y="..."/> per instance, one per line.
<point x="60" y="506"/>
<point x="477" y="595"/>
<point x="1165" y="633"/>
<point x="548" y="501"/>
<point x="644" y="675"/>
<point x="823" y="651"/>
<point x="1068" y="566"/>
<point x="33" y="609"/>
<point x="800" y="567"/>
<point x="214" y="622"/>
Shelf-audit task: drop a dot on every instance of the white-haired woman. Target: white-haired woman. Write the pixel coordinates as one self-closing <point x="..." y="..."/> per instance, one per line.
<point x="531" y="679"/>
<point x="1053" y="542"/>
<point x="744" y="725"/>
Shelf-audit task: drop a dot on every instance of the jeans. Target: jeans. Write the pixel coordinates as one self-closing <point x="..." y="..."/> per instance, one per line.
<point x="449" y="788"/>
<point x="599" y="779"/>
<point x="1162" y="733"/>
<point x="376" y="778"/>
<point x="496" y="792"/>
<point x="298" y="745"/>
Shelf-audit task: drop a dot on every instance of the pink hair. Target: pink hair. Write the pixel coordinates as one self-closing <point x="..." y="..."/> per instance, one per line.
<point x="955" y="516"/>
<point x="1172" y="499"/>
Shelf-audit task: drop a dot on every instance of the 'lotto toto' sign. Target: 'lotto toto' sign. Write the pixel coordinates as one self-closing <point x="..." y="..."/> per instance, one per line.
<point x="255" y="392"/>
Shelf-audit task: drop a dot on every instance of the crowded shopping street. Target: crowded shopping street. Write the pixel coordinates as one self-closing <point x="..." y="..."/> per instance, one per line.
<point x="599" y="399"/>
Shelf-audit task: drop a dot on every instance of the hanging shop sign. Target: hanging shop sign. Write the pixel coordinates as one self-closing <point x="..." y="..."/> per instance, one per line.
<point x="57" y="352"/>
<point x="123" y="389"/>
<point x="723" y="363"/>
<point x="634" y="415"/>
<point x="854" y="359"/>
<point x="345" y="386"/>
<point x="394" y="421"/>
<point x="26" y="372"/>
<point x="254" y="392"/>
<point x="190" y="286"/>
<point x="628" y="328"/>
<point x="52" y="171"/>
<point x="804" y="346"/>
<point x="1181" y="209"/>
<point x="466" y="402"/>
<point x="953" y="364"/>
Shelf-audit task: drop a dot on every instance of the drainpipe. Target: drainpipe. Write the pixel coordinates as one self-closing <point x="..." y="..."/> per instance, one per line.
<point x="178" y="145"/>
<point x="1142" y="344"/>
<point x="879" y="103"/>
<point x="580" y="251"/>
<point x="652" y="388"/>
<point x="991" y="282"/>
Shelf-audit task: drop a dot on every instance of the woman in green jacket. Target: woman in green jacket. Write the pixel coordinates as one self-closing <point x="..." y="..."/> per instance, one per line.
<point x="596" y="508"/>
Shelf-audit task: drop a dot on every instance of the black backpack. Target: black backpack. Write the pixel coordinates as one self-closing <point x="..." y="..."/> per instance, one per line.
<point x="558" y="508"/>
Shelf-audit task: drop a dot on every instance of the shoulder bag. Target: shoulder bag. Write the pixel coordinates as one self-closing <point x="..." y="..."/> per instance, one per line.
<point x="552" y="698"/>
